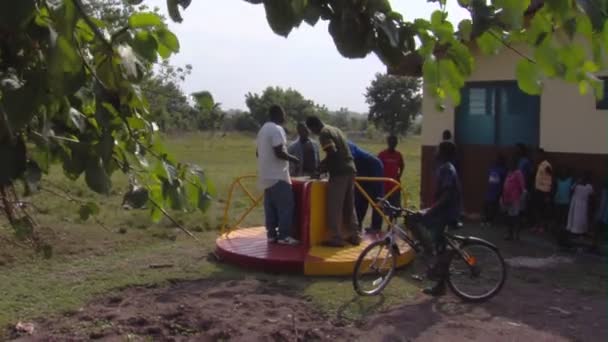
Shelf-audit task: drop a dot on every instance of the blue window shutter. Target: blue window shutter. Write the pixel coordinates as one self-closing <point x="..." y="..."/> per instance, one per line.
<point x="509" y="117"/>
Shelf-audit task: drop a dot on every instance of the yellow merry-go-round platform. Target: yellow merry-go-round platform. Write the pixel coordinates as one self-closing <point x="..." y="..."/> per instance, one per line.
<point x="248" y="247"/>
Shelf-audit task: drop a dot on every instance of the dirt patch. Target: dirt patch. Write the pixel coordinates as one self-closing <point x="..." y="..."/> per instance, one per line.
<point x="255" y="310"/>
<point x="523" y="311"/>
<point x="195" y="311"/>
<point x="534" y="305"/>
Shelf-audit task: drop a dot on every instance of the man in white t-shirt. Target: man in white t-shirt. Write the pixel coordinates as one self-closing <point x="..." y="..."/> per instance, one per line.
<point x="273" y="178"/>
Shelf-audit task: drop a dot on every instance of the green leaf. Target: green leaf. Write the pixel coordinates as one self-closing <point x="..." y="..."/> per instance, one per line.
<point x="145" y="45"/>
<point x="437" y="18"/>
<point x="167" y="43"/>
<point x="465" y="27"/>
<point x="105" y="149"/>
<point x="41" y="155"/>
<point x="87" y="210"/>
<point x="136" y="123"/>
<point x="145" y="19"/>
<point x="462" y="58"/>
<point x="452" y="79"/>
<point x="175" y="195"/>
<point x="84" y="32"/>
<point x="512" y="12"/>
<point x="155" y="198"/>
<point x="75" y="164"/>
<point x="583" y="87"/>
<point x="96" y="177"/>
<point x="65" y="18"/>
<point x="528" y="77"/>
<point x="312" y="14"/>
<point x="583" y="26"/>
<point x="66" y="57"/>
<point x="547" y="59"/>
<point x="283" y="16"/>
<point x="173" y="9"/>
<point x="489" y="43"/>
<point x="204" y="201"/>
<point x="106" y="73"/>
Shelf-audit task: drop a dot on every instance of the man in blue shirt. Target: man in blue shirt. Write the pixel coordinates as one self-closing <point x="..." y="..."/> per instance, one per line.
<point x="367" y="165"/>
<point x="446" y="209"/>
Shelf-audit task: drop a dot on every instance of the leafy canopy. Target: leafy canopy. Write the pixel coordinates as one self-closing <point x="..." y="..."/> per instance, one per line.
<point x="565" y="39"/>
<point x="394" y="101"/>
<point x="70" y="93"/>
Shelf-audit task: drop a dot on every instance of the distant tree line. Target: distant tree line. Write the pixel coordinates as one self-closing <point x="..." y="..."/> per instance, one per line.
<point x="394" y="105"/>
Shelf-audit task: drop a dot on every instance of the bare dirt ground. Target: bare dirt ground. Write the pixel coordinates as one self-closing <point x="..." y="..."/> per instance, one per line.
<point x="564" y="301"/>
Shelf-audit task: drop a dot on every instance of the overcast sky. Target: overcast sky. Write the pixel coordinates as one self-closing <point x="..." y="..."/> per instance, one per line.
<point x="233" y="51"/>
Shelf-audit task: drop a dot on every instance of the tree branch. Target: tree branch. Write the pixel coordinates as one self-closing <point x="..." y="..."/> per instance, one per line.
<point x="508" y="46"/>
<point x="92" y="25"/>
<point x="174" y="221"/>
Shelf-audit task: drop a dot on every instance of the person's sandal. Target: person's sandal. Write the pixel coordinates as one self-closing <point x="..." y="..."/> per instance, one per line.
<point x="289" y="241"/>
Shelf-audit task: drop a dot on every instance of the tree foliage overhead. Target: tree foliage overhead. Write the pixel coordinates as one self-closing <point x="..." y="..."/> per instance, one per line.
<point x="394" y="101"/>
<point x="565" y="39"/>
<point x="70" y="92"/>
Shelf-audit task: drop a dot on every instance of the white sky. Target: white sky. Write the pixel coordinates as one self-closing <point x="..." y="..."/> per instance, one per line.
<point x="233" y="51"/>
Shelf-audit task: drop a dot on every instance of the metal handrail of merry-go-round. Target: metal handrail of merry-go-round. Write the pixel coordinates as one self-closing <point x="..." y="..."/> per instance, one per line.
<point x="256" y="200"/>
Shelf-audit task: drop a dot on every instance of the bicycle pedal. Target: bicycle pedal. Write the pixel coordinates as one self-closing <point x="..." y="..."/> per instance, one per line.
<point x="396" y="250"/>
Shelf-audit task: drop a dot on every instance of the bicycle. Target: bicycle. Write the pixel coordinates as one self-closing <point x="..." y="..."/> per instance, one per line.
<point x="467" y="260"/>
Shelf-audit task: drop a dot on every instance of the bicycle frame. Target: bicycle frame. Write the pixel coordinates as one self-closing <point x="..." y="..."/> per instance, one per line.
<point x="454" y="242"/>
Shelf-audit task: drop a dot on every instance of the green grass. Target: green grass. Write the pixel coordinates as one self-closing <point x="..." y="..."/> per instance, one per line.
<point x="90" y="259"/>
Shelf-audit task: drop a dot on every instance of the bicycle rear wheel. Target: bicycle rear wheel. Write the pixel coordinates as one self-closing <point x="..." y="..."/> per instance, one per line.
<point x="374" y="268"/>
<point x="478" y="274"/>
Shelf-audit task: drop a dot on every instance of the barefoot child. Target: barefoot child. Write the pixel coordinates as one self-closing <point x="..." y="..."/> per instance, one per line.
<point x="512" y="196"/>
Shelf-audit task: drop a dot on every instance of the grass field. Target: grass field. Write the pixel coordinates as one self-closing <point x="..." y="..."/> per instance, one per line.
<point x="91" y="259"/>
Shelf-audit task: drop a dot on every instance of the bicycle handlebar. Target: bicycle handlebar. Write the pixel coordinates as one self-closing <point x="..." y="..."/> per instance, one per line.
<point x="387" y="206"/>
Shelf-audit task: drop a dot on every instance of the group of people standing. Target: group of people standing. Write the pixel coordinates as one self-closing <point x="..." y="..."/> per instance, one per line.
<point x="278" y="161"/>
<point x="543" y="197"/>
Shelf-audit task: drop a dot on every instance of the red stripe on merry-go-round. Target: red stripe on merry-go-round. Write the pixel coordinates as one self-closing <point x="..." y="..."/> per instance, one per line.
<point x="248" y="248"/>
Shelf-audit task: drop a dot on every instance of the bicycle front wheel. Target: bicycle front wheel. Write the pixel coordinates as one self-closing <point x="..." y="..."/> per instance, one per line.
<point x="477" y="273"/>
<point x="374" y="268"/>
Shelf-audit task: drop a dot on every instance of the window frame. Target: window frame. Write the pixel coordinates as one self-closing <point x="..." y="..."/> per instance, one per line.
<point x="495" y="111"/>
